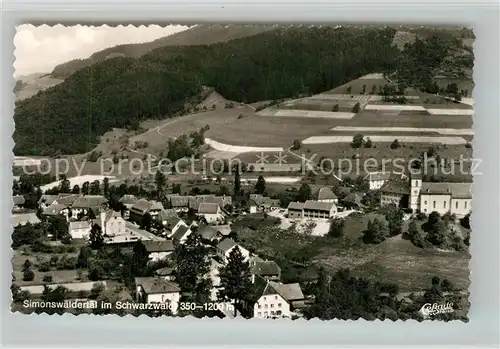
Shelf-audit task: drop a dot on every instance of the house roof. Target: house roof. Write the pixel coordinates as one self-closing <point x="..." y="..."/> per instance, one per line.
<point x="153" y="285"/>
<point x="208" y="208"/>
<point x="141" y="206"/>
<point x="396" y="187"/>
<point x="79" y="225"/>
<point x="290" y="292"/>
<point x="260" y="200"/>
<point x="195" y="201"/>
<point x="265" y="268"/>
<point x="24" y="218"/>
<point x="159" y="246"/>
<point x="18" y="200"/>
<point x="456" y="190"/>
<point x="296" y="206"/>
<point x="128" y="199"/>
<point x="167" y="215"/>
<point x="88" y="201"/>
<point x="68" y="200"/>
<point x="377" y="176"/>
<point x="226" y="244"/>
<point x="326" y="194"/>
<point x="47" y="199"/>
<point x="155" y="205"/>
<point x="53" y="209"/>
<point x="178" y="200"/>
<point x="353" y="198"/>
<point x="180" y="233"/>
<point x="164" y="271"/>
<point x="318" y="206"/>
<point x="207" y="232"/>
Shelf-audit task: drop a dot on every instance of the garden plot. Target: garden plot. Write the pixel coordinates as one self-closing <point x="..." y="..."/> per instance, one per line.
<point x="346" y="97"/>
<point x="397" y="107"/>
<point x="443" y="131"/>
<point x="223" y="155"/>
<point x="306" y="114"/>
<point x="386" y="139"/>
<point x="239" y="149"/>
<point x="468" y="112"/>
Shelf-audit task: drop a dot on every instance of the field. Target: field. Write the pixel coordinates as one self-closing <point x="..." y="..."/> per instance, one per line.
<point x="395" y="260"/>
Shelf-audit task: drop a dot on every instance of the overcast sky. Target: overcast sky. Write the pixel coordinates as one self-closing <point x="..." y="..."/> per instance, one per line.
<point x="40" y="49"/>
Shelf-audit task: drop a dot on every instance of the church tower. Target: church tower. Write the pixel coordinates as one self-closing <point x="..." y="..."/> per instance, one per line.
<point x="416" y="186"/>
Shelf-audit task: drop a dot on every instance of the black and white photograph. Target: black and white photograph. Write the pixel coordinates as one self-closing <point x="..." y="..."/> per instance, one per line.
<point x="243" y="171"/>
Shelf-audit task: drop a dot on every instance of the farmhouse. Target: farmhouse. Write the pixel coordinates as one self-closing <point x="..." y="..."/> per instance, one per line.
<point x="111" y="223"/>
<point x="79" y="229"/>
<point x="127" y="201"/>
<point x="174" y="224"/>
<point x="260" y="203"/>
<point x="212" y="213"/>
<point x="181" y="234"/>
<point x="208" y="232"/>
<point x="86" y="203"/>
<point x="225" y="247"/>
<point x="377" y="180"/>
<point x="395" y="192"/>
<point x="143" y="207"/>
<point x="158" y="290"/>
<point x="158" y="250"/>
<point x="184" y="203"/>
<point x="165" y="216"/>
<point x="46" y="200"/>
<point x="55" y="210"/>
<point x="267" y="270"/>
<point x="327" y="195"/>
<point x="311" y="209"/>
<point x="278" y="300"/>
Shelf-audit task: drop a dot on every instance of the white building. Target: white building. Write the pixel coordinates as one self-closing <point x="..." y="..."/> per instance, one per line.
<point x="377" y="180"/>
<point x="278" y="300"/>
<point x="211" y="212"/>
<point x="159" y="250"/>
<point x="225" y="247"/>
<point x="111" y="223"/>
<point x="214" y="276"/>
<point x="158" y="290"/>
<point x="181" y="234"/>
<point x="79" y="229"/>
<point x="327" y="195"/>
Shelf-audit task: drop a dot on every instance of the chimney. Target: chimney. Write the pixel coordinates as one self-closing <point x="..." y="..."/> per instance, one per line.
<point x="103" y="220"/>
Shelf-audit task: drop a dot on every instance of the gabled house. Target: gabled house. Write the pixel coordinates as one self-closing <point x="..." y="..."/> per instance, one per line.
<point x="79" y="229"/>
<point x="166" y="216"/>
<point x="212" y="213"/>
<point x="56" y="210"/>
<point x="128" y="201"/>
<point x="158" y="250"/>
<point x="208" y="232"/>
<point x="267" y="270"/>
<point x="174" y="224"/>
<point x="158" y="290"/>
<point x="83" y="205"/>
<point x="167" y="273"/>
<point x="181" y="234"/>
<point x="111" y="223"/>
<point x="260" y="203"/>
<point x="327" y="195"/>
<point x="225" y="247"/>
<point x="278" y="300"/>
<point x="143" y="207"/>
<point x="46" y="200"/>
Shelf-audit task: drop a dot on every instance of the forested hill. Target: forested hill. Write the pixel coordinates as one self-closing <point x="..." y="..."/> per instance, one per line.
<point x="120" y="92"/>
<point x="203" y="34"/>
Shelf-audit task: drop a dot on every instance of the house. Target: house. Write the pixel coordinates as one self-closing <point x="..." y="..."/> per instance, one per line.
<point x="159" y="250"/>
<point x="143" y="207"/>
<point x="395" y="192"/>
<point x="128" y="201"/>
<point x="167" y="273"/>
<point x="316" y="209"/>
<point x="327" y="195"/>
<point x="46" y="200"/>
<point x="212" y="213"/>
<point x="260" y="203"/>
<point x="174" y="224"/>
<point x="79" y="229"/>
<point x="377" y="180"/>
<point x="278" y="300"/>
<point x="426" y="197"/>
<point x="166" y="215"/>
<point x="182" y="203"/>
<point x="158" y="290"/>
<point x="268" y="270"/>
<point x="295" y="210"/>
<point x="178" y="203"/>
<point x="111" y="223"/>
<point x="56" y="210"/>
<point x="84" y="204"/>
<point x="24" y="218"/>
<point x="181" y="234"/>
<point x="207" y="232"/>
<point x="225" y="247"/>
<point x="353" y="200"/>
<point x="18" y="201"/>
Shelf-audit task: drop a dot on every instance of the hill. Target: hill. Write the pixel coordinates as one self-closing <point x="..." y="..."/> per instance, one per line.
<point x="122" y="91"/>
<point x="204" y="34"/>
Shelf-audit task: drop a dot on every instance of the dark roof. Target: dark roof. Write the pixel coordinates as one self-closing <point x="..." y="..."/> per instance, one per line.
<point x="318" y="206"/>
<point x="456" y="190"/>
<point x="222" y="201"/>
<point x="47" y="199"/>
<point x="226" y="244"/>
<point x="181" y="231"/>
<point x="159" y="246"/>
<point x="88" y="201"/>
<point x="261" y="200"/>
<point x="167" y="215"/>
<point x="326" y="194"/>
<point x="18" y="200"/>
<point x="353" y="198"/>
<point x="128" y="199"/>
<point x="396" y="187"/>
<point x="295" y="206"/>
<point x="53" y="209"/>
<point x="377" y="176"/>
<point x="208" y="208"/>
<point x="290" y="292"/>
<point x="178" y="201"/>
<point x="142" y="206"/>
<point x="68" y="200"/>
<point x="207" y="232"/>
<point x="265" y="268"/>
<point x="152" y="285"/>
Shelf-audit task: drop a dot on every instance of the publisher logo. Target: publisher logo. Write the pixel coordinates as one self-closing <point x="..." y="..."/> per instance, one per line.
<point x="429" y="309"/>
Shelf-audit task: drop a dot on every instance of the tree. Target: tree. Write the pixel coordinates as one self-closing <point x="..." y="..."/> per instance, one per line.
<point x="376" y="232"/>
<point x="358" y="140"/>
<point x="336" y="228"/>
<point x="86" y="188"/>
<point x="465" y="221"/>
<point x="65" y="186"/>
<point x="415" y="235"/>
<point x="395" y="144"/>
<point x="260" y="186"/>
<point x="96" y="237"/>
<point x="356" y="108"/>
<point x="140" y="259"/>
<point x="76" y="189"/>
<point x="83" y="257"/>
<point x="305" y="192"/>
<point x="348" y="89"/>
<point x="235" y="279"/>
<point x="297" y="144"/>
<point x="160" y="182"/>
<point x="368" y="143"/>
<point x="394" y="217"/>
<point x="237" y="182"/>
<point x="28" y="275"/>
<point x="27" y="264"/>
<point x="95" y="187"/>
<point x="335" y="108"/>
<point x="105" y="186"/>
<point x="147" y="221"/>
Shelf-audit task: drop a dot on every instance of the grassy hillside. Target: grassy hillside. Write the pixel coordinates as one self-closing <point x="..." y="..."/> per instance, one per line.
<point x="204" y="34"/>
<point x="121" y="92"/>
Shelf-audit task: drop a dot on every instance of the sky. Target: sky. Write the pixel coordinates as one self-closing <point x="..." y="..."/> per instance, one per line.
<point x="40" y="49"/>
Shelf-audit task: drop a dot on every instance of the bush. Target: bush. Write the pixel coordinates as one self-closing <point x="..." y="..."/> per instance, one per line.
<point x="47" y="278"/>
<point x="421" y="216"/>
<point x="357" y="141"/>
<point x="395" y="144"/>
<point x="28" y="275"/>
